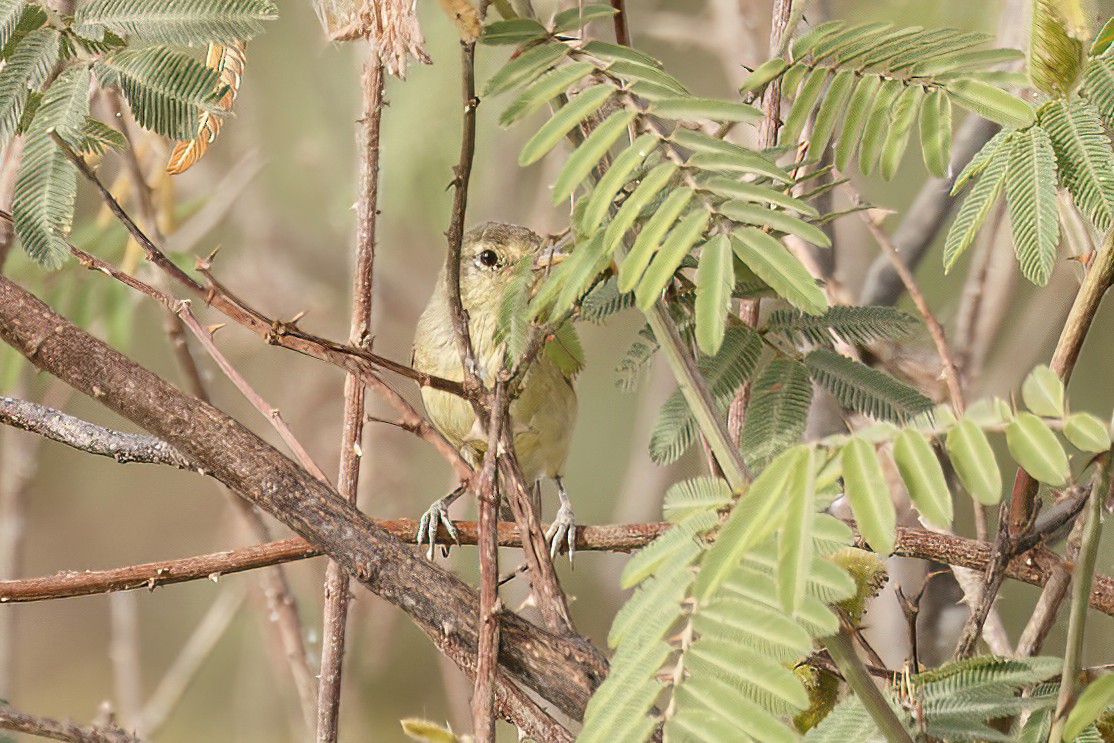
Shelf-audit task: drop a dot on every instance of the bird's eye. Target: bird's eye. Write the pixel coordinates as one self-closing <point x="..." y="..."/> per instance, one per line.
<point x="489" y="258"/>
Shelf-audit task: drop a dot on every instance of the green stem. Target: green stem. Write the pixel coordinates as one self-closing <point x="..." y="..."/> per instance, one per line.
<point x="697" y="395"/>
<point x="855" y="674"/>
<point x="1080" y="595"/>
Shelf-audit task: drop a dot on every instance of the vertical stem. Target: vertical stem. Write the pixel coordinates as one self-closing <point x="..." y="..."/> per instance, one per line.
<point x="622" y="30"/>
<point x="487" y="648"/>
<point x="463" y="173"/>
<point x="1084" y="574"/>
<point x="336" y="580"/>
<point x="842" y="651"/>
<point x="699" y="398"/>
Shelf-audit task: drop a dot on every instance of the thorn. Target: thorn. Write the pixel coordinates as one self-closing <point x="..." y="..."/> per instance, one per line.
<point x="212" y="329"/>
<point x="294" y="320"/>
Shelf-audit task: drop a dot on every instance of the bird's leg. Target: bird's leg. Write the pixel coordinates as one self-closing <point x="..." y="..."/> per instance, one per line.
<point x="437" y="515"/>
<point x="563" y="528"/>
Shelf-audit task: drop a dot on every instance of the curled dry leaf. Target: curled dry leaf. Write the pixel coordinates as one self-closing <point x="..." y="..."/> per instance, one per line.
<point x="228" y="60"/>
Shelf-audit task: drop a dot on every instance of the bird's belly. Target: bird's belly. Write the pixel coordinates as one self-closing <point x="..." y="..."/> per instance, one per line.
<point x="543" y="417"/>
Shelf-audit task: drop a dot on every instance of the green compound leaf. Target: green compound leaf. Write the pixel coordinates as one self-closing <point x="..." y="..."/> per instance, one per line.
<point x="1043" y="392"/>
<point x="869" y="495"/>
<point x="182" y="22"/>
<point x="1036" y="449"/>
<point x="1031" y="195"/>
<point x="757" y="514"/>
<point x="974" y="462"/>
<point x="1087" y="433"/>
<point x="774" y="264"/>
<point x="166" y="89"/>
<point x="715" y="278"/>
<point x="569" y="116"/>
<point x="923" y="477"/>
<point x="976" y="206"/>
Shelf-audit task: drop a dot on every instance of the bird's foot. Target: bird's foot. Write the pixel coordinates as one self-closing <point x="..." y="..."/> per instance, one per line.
<point x="432" y="519"/>
<point x="562" y="532"/>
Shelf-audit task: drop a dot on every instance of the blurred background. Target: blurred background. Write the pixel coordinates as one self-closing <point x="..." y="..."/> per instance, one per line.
<point x="276" y="193"/>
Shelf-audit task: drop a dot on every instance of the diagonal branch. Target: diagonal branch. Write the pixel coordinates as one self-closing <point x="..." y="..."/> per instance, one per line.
<point x="48" y="727"/>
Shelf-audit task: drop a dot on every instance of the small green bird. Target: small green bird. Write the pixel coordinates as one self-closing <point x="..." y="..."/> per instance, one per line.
<point x="544" y="413"/>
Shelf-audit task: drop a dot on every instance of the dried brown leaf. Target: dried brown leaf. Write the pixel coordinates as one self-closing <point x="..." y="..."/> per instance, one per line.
<point x="228" y="60"/>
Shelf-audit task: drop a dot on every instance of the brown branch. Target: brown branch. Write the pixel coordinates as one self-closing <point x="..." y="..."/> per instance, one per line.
<point x="622" y="28"/>
<point x="462" y="177"/>
<point x="152" y="575"/>
<point x="359" y="334"/>
<point x="48" y="727"/>
<point x="562" y="670"/>
<point x="1033" y="566"/>
<point x="487" y="652"/>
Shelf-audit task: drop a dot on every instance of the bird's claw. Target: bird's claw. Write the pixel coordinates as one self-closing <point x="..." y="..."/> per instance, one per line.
<point x="432" y="519"/>
<point x="562" y="530"/>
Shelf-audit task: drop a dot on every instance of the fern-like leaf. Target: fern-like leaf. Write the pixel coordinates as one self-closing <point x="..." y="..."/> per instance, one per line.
<point x="976" y="206"/>
<point x="46" y="187"/>
<point x="25" y="69"/>
<point x="851" y="324"/>
<point x="167" y="90"/>
<point x="181" y="22"/>
<point x="1031" y="195"/>
<point x="778" y="410"/>
<point x="1084" y="157"/>
<point x="865" y="390"/>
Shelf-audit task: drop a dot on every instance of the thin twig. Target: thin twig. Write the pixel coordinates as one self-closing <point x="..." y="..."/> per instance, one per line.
<point x="89" y="437"/>
<point x="858" y="678"/>
<point x="359" y="334"/>
<point x="1033" y="567"/>
<point x="947" y="359"/>
<point x="462" y="177"/>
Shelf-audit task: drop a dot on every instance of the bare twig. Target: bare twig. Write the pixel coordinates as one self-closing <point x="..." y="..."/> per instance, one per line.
<point x="947" y="359"/>
<point x="1033" y="567"/>
<point x="359" y="334"/>
<point x="124" y="655"/>
<point x="48" y="727"/>
<point x="462" y="177"/>
<point x="89" y="437"/>
<point x="622" y="28"/>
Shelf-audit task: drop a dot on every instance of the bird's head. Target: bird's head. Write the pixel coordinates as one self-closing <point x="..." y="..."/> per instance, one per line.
<point x="489" y="254"/>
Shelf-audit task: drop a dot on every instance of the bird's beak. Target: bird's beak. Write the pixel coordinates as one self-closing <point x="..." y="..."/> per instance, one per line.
<point x="548" y="258"/>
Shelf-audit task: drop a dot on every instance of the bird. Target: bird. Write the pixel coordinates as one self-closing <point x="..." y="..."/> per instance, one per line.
<point x="544" y="413"/>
